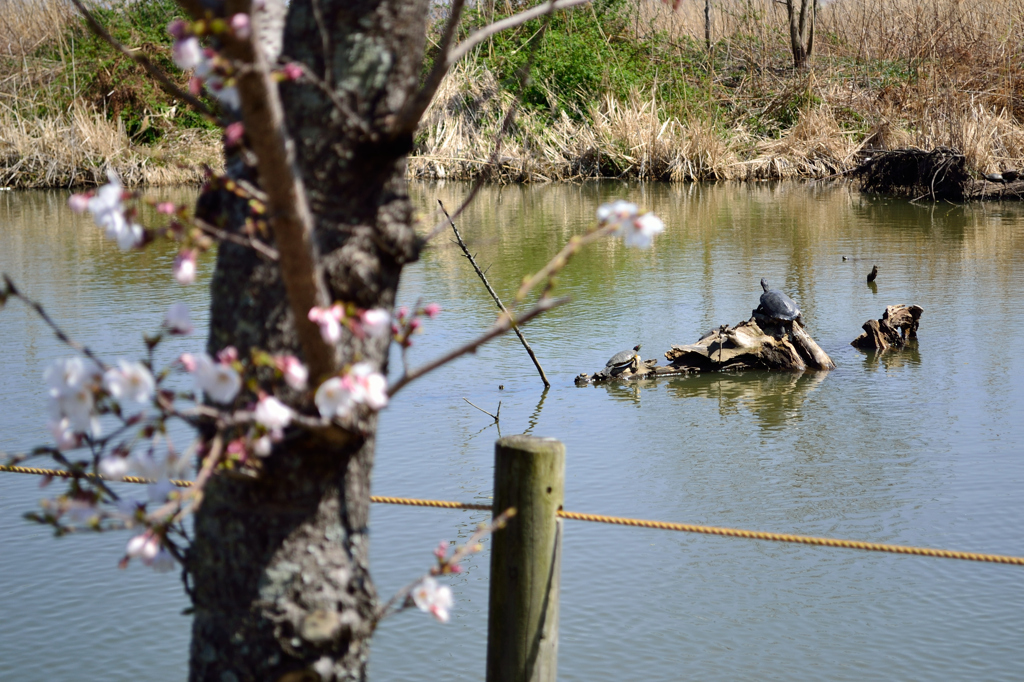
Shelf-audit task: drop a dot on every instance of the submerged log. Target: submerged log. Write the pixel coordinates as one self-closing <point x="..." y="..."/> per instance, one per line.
<point x="758" y="343"/>
<point x="936" y="175"/>
<point x="897" y="324"/>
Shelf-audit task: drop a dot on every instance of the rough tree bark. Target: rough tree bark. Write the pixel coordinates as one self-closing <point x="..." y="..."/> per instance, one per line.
<point x="801" y="30"/>
<point x="279" y="565"/>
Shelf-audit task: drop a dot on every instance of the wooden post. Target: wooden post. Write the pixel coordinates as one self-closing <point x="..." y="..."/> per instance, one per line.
<point x="522" y="634"/>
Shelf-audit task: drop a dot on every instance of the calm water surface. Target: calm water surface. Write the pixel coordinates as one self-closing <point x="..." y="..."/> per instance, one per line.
<point x="924" y="447"/>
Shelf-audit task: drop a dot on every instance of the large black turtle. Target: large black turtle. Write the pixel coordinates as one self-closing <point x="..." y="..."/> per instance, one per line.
<point x="776" y="305"/>
<point x="620" y="361"/>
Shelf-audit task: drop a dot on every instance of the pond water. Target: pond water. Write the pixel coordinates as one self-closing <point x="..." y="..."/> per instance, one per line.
<point x="923" y="447"/>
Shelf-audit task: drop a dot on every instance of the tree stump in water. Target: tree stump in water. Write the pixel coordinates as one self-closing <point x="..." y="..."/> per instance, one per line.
<point x="897" y="324"/>
<point x="758" y="343"/>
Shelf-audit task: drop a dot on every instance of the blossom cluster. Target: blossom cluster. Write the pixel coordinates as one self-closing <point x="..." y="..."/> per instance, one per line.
<point x="207" y="67"/>
<point x="408" y="323"/>
<point x="433" y="598"/>
<point x="362" y="323"/>
<point x="361" y="385"/>
<point x="108" y="210"/>
<point x="635" y="229"/>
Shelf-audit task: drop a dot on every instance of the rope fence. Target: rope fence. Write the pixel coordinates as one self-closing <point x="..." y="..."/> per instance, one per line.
<point x="623" y="521"/>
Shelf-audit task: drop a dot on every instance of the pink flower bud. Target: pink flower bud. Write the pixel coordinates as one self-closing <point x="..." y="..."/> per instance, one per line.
<point x="432" y="309"/>
<point x="227" y="355"/>
<point x="292" y="71"/>
<point x="234" y="132"/>
<point x="240" y="25"/>
<point x="188" y="361"/>
<point x="166" y="207"/>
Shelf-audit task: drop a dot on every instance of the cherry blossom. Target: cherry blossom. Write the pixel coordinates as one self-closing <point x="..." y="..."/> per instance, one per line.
<point x="107" y="209"/>
<point x="185" y="266"/>
<point x="218" y="381"/>
<point x="333" y="399"/>
<point x="262" y="446"/>
<point x="240" y="25"/>
<point x="636" y="230"/>
<point x="272" y="413"/>
<point x="64" y="435"/>
<point x="78" y="203"/>
<point x="292" y="71"/>
<point x="433" y="598"/>
<point x="71" y="383"/>
<point x="295" y="373"/>
<point x="146" y="548"/>
<point x="432" y="310"/>
<point x="114" y="467"/>
<point x="233" y="134"/>
<point x="375" y="321"/>
<point x="368" y="385"/>
<point x="187" y="53"/>
<point x="362" y="385"/>
<point x="177" y="320"/>
<point x="130" y="380"/>
<point x="328" y="319"/>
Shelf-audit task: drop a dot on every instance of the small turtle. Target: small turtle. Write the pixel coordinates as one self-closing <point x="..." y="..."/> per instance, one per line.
<point x="872" y="274"/>
<point x="776" y="305"/>
<point x="994" y="177"/>
<point x="627" y="358"/>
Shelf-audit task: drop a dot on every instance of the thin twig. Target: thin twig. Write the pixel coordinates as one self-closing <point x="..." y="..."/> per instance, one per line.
<point x="495" y="417"/>
<point x="61" y="334"/>
<point x="461" y="553"/>
<point x="165" y="82"/>
<point x="409" y="117"/>
<point x="224" y="235"/>
<point x="503" y="324"/>
<point x="463" y="48"/>
<point x="506" y="126"/>
<point x="494" y="295"/>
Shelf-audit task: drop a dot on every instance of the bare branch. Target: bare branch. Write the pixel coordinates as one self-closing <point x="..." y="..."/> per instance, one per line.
<point x="287" y="203"/>
<point x="503" y="324"/>
<point x="409" y="117"/>
<point x="223" y="235"/>
<point x="463" y="48"/>
<point x="165" y="82"/>
<point x="60" y="333"/>
<point x="494" y="295"/>
<point x="492" y="416"/>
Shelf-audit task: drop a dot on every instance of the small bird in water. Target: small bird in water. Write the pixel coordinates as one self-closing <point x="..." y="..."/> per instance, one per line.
<point x="844" y="258"/>
<point x="872" y="274"/>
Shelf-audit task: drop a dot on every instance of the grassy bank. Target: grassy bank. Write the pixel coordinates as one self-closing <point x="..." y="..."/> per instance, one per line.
<point x="627" y="89"/>
<point x="70" y="106"/>
<point x="620" y="88"/>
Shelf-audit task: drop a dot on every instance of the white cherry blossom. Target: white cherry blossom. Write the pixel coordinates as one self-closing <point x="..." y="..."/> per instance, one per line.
<point x="375" y="321"/>
<point x="130" y="380"/>
<point x="262" y="446"/>
<point x="433" y="598"/>
<point x="63" y="434"/>
<point x="272" y="413"/>
<point x="636" y="230"/>
<point x="295" y="373"/>
<point x="218" y="381"/>
<point x="107" y="209"/>
<point x="178" y="320"/>
<point x="114" y="467"/>
<point x="368" y="386"/>
<point x="187" y="53"/>
<point x="334" y="399"/>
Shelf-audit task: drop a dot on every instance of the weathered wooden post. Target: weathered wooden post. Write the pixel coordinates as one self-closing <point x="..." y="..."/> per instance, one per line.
<point x="522" y="634"/>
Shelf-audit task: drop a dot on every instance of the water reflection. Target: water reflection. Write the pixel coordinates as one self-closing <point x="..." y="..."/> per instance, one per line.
<point x="893" y="358"/>
<point x="775" y="398"/>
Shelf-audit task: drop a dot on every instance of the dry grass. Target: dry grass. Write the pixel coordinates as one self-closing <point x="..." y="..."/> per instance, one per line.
<point x="78" y="148"/>
<point x="886" y="74"/>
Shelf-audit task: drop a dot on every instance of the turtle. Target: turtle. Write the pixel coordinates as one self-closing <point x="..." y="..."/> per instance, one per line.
<point x="872" y="274"/>
<point x="627" y="358"/>
<point x="776" y="305"/>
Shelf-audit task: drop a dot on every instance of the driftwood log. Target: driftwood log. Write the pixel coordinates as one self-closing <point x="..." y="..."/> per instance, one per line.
<point x="897" y="325"/>
<point x="941" y="174"/>
<point x="757" y="343"/>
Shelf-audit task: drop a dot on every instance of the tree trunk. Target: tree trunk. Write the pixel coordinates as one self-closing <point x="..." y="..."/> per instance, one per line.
<point x="279" y="567"/>
<point x="801" y="30"/>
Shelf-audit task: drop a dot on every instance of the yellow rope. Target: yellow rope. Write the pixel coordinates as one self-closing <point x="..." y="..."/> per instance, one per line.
<point x="636" y="523"/>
